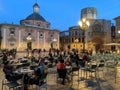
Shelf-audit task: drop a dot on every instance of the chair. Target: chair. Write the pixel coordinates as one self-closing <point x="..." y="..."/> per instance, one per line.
<point x="42" y="82"/>
<point x="110" y="66"/>
<point x="10" y="82"/>
<point x="82" y="65"/>
<point x="11" y="85"/>
<point x="61" y="74"/>
<point x="117" y="71"/>
<point x="11" y="79"/>
<point x="111" y="69"/>
<point x="92" y="69"/>
<point x="74" y="72"/>
<point x="101" y="67"/>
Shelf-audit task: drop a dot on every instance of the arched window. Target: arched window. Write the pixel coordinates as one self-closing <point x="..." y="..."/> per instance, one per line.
<point x="12" y="31"/>
<point x="41" y="34"/>
<point x="29" y="34"/>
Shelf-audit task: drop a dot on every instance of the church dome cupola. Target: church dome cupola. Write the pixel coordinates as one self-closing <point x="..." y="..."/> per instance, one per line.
<point x="36" y="8"/>
<point x="35" y="19"/>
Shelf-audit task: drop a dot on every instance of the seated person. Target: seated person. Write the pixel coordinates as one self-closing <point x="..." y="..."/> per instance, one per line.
<point x="38" y="77"/>
<point x="46" y="61"/>
<point x="68" y="65"/>
<point x="9" y="72"/>
<point x="61" y="69"/>
<point x="67" y="62"/>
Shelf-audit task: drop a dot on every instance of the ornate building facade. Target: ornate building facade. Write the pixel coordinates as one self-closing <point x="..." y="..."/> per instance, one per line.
<point x="117" y="33"/>
<point x="33" y="33"/>
<point x="96" y="35"/>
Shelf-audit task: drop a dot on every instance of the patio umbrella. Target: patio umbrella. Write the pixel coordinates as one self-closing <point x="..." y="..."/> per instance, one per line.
<point x="112" y="44"/>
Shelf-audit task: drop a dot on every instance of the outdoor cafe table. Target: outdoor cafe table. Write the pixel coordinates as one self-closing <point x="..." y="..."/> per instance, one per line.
<point x="17" y="64"/>
<point x="26" y="70"/>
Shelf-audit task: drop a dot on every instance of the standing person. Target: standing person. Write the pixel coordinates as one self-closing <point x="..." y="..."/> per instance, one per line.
<point x="76" y="57"/>
<point x="4" y="58"/>
<point x="61" y="69"/>
<point x="85" y="58"/>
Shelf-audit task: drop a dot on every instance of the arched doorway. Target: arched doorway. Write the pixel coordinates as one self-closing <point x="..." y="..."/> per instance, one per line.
<point x="29" y="45"/>
<point x="98" y="42"/>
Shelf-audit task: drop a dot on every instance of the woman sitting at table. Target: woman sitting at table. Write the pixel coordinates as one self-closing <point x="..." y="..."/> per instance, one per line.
<point x="61" y="69"/>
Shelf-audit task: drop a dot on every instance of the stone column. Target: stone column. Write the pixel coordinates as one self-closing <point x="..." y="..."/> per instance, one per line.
<point x="19" y="38"/>
<point x="44" y="40"/>
<point x="58" y="41"/>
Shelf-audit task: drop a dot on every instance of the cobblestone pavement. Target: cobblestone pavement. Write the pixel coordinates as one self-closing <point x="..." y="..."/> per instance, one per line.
<point x="102" y="81"/>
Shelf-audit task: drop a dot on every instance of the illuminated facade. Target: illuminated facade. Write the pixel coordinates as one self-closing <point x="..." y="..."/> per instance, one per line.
<point x="33" y="33"/>
<point x="117" y="33"/>
<point x="96" y="35"/>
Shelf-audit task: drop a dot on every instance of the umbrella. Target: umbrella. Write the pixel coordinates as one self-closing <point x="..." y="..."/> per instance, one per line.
<point x="112" y="44"/>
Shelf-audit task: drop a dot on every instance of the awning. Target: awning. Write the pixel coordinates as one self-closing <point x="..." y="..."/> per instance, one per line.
<point x="112" y="44"/>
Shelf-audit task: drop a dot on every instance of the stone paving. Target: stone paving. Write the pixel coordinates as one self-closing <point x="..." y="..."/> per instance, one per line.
<point x="104" y="81"/>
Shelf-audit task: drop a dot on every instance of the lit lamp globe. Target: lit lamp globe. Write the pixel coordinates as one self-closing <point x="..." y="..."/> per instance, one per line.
<point x="84" y="24"/>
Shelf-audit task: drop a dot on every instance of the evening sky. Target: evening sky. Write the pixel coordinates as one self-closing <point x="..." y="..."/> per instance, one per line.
<point x="62" y="14"/>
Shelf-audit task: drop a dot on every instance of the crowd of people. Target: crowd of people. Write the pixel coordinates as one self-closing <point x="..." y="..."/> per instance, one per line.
<point x="61" y="59"/>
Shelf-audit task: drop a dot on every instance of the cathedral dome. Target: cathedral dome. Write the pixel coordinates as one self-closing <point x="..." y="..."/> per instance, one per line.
<point x="35" y="19"/>
<point x="35" y="16"/>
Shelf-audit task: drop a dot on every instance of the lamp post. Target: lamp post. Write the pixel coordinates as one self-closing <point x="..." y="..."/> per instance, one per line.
<point x="84" y="25"/>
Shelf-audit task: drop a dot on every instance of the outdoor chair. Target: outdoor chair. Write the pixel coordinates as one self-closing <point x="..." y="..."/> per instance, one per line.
<point x="11" y="85"/>
<point x="62" y="74"/>
<point x="110" y="72"/>
<point x="117" y="77"/>
<point x="74" y="73"/>
<point x="92" y="69"/>
<point x="11" y="82"/>
<point x="42" y="82"/>
<point x="101" y="68"/>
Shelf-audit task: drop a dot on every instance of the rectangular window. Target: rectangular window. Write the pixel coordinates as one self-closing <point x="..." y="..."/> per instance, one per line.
<point x="75" y="32"/>
<point x="72" y="39"/>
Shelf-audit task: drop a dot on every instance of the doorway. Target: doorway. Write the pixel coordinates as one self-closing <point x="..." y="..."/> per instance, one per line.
<point x="29" y="45"/>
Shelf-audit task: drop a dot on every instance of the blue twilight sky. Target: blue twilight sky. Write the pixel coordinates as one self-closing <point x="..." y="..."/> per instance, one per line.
<point x="62" y="14"/>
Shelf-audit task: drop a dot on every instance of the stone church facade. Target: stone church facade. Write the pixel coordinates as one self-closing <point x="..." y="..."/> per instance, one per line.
<point x="33" y="33"/>
<point x="98" y="33"/>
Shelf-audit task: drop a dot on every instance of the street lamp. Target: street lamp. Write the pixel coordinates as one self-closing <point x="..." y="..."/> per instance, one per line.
<point x="84" y="25"/>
